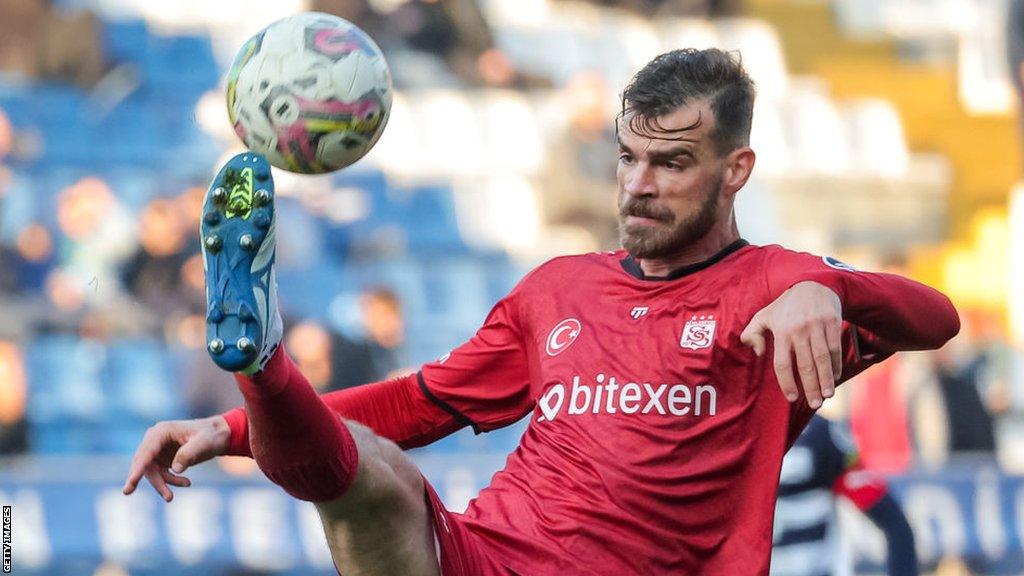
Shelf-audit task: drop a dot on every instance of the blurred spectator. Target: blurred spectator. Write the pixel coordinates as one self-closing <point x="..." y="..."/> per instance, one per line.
<point x="375" y="357"/>
<point x="878" y="417"/>
<point x="454" y="32"/>
<point x="958" y="375"/>
<point x="684" y="8"/>
<point x="154" y="274"/>
<point x="99" y="234"/>
<point x="309" y="345"/>
<point x="13" y="392"/>
<point x="822" y="465"/>
<point x="41" y="41"/>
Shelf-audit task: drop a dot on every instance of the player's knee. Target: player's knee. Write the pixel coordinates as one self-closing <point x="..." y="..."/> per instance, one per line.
<point x="386" y="480"/>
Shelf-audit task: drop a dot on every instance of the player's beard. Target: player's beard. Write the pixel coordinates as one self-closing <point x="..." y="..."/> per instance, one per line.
<point x="669" y="237"/>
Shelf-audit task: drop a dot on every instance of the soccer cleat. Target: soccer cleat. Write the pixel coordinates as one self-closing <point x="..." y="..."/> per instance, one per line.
<point x="243" y="325"/>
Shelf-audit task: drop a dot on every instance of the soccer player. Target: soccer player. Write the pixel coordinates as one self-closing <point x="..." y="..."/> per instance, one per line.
<point x="824" y="463"/>
<point x="657" y="423"/>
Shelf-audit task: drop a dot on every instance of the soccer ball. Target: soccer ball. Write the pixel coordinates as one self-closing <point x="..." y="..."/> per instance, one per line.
<point x="311" y="92"/>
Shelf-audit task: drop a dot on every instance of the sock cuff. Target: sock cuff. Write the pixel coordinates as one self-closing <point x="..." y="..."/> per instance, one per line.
<point x="271" y="380"/>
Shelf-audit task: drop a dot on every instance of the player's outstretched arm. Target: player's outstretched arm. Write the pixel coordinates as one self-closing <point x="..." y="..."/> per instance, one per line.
<point x="169" y="447"/>
<point x="885" y="313"/>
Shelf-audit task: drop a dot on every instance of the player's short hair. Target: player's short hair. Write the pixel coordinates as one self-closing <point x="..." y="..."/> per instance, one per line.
<point x="681" y="76"/>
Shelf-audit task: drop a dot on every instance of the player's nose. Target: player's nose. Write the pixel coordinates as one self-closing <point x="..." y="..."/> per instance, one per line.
<point x="639" y="181"/>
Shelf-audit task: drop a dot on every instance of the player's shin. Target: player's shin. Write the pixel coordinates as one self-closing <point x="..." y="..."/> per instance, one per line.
<point x="298" y="442"/>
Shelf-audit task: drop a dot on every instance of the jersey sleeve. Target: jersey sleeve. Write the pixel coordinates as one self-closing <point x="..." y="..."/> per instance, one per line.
<point x="485" y="383"/>
<point x="891" y="313"/>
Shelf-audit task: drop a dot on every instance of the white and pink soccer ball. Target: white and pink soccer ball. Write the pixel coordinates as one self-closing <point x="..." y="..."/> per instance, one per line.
<point x="311" y="92"/>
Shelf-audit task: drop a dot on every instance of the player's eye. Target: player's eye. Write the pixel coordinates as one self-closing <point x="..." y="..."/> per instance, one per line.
<point x="675" y="166"/>
<point x="625" y="158"/>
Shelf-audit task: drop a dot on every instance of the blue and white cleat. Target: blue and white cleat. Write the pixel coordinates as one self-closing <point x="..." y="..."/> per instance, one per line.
<point x="243" y="325"/>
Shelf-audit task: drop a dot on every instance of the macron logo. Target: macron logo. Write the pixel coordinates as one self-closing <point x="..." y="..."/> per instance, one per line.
<point x="563" y="335"/>
<point x="608" y="396"/>
<point x="639" y="312"/>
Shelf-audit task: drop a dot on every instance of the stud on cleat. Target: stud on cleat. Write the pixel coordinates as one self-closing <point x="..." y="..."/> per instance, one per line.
<point x="262" y="174"/>
<point x="219" y="195"/>
<point x="246" y="242"/>
<point x="216" y="346"/>
<point x="214" y="243"/>
<point x="211" y="218"/>
<point x="261" y="198"/>
<point x="246" y="345"/>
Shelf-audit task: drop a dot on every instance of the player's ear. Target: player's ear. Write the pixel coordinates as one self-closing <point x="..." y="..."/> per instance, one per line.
<point x="738" y="166"/>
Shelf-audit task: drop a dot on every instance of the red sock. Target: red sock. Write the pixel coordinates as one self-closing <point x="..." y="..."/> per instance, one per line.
<point x="298" y="442"/>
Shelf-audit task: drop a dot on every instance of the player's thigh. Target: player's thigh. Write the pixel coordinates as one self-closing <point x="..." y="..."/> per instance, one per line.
<point x="382" y="524"/>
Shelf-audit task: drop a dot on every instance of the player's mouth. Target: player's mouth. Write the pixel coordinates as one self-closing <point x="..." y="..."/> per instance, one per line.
<point x="642" y="221"/>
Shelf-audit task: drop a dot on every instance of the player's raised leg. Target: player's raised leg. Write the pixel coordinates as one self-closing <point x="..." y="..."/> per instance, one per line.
<point x="369" y="494"/>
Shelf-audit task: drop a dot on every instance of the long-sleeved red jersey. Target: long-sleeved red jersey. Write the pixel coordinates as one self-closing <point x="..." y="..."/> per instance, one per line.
<point x="656" y="437"/>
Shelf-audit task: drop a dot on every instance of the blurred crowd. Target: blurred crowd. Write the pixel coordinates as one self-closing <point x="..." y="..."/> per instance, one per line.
<point x="100" y="269"/>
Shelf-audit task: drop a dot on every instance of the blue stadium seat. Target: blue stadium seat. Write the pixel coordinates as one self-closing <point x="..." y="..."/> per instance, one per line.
<point x="432" y="224"/>
<point x="456" y="290"/>
<point x="139" y="382"/>
<point x="64" y="375"/>
<point x="308" y="293"/>
<point x="67" y="438"/>
<point x="125" y="41"/>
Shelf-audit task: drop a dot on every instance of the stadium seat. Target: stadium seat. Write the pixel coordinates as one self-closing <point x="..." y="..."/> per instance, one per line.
<point x="819" y="145"/>
<point x="511" y="134"/>
<point x="139" y="382"/>
<point x="877" y="142"/>
<point x="455" y="291"/>
<point x="675" y="33"/>
<point x="629" y="43"/>
<point x="760" y="50"/>
<point x="125" y="40"/>
<point x="768" y="138"/>
<point x="431" y="222"/>
<point x="65" y="380"/>
<point x="448" y="129"/>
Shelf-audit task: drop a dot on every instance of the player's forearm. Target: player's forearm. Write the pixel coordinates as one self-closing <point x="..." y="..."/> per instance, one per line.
<point x="899" y="313"/>
<point x="393" y="409"/>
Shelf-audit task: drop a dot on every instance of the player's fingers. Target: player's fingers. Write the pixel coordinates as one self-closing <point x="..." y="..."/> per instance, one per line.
<point x="149" y="448"/>
<point x="784" y="369"/>
<point x="173" y="480"/>
<point x="753" y="334"/>
<point x="834" y="337"/>
<point x="823" y="361"/>
<point x="158" y="483"/>
<point x="187" y="455"/>
<point x="142" y="459"/>
<point x="808" y="371"/>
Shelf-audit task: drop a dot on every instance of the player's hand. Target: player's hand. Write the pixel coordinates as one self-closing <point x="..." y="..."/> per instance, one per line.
<point x="169" y="448"/>
<point x="805" y="322"/>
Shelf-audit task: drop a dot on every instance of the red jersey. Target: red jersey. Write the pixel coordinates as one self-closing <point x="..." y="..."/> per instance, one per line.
<point x="656" y="437"/>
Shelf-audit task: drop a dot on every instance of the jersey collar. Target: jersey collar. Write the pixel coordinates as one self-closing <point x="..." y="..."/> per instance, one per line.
<point x="632" y="267"/>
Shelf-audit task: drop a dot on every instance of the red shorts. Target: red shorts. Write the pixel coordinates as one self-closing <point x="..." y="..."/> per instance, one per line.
<point x="460" y="551"/>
